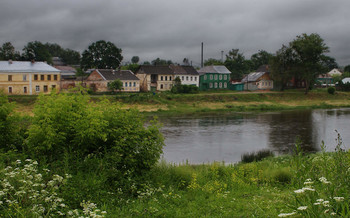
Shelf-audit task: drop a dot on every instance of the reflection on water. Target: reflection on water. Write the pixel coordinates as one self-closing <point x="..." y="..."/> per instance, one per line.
<point x="226" y="137"/>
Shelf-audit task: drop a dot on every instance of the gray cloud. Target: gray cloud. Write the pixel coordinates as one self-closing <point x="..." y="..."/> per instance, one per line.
<point x="175" y="29"/>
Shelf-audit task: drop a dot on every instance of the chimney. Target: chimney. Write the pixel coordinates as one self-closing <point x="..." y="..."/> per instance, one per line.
<point x="10" y="61"/>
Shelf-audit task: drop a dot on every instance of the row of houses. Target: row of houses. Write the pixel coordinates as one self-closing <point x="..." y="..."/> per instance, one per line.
<point x="29" y="78"/>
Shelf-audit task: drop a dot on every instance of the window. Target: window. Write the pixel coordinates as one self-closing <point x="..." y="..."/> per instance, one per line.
<point x="53" y="86"/>
<point x="170" y="78"/>
<point x="216" y="77"/>
<point x="35" y="77"/>
<point x="220" y="85"/>
<point x="225" y="85"/>
<point x="54" y="77"/>
<point x="126" y="84"/>
<point x="205" y="77"/>
<point x="225" y="77"/>
<point x="216" y="85"/>
<point x="37" y="88"/>
<point x="24" y="89"/>
<point x="41" y="77"/>
<point x="210" y="85"/>
<point x="186" y="78"/>
<point x="45" y="89"/>
<point x="48" y="77"/>
<point x="191" y="78"/>
<point x="129" y="84"/>
<point x="134" y="84"/>
<point x="166" y="78"/>
<point x="211" y="76"/>
<point x="161" y="86"/>
<point x="166" y="86"/>
<point x="9" y="77"/>
<point x="10" y="89"/>
<point x="220" y="77"/>
<point x="161" y="78"/>
<point x="195" y="78"/>
<point x="24" y="77"/>
<point x="183" y="78"/>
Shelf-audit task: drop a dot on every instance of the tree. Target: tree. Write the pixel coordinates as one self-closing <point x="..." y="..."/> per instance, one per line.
<point x="186" y="62"/>
<point x="309" y="57"/>
<point x="70" y="56"/>
<point x="135" y="59"/>
<point x="212" y="61"/>
<point x="8" y="52"/>
<point x="281" y="66"/>
<point x="260" y="58"/>
<point x="161" y="62"/>
<point x="36" y="51"/>
<point x="329" y="62"/>
<point x="131" y="67"/>
<point x="115" y="85"/>
<point x="54" y="49"/>
<point x="237" y="64"/>
<point x="347" y="68"/>
<point x="102" y="55"/>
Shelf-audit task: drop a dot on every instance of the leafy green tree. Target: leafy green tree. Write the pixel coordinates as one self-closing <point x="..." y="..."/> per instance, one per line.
<point x="347" y="68"/>
<point x="161" y="62"/>
<point x="36" y="51"/>
<point x="102" y="55"/>
<point x="54" y="49"/>
<point x="260" y="58"/>
<point x="237" y="64"/>
<point x="70" y="127"/>
<point x="115" y="85"/>
<point x="282" y="66"/>
<point x="309" y="53"/>
<point x="135" y="59"/>
<point x="8" y="52"/>
<point x="132" y="67"/>
<point x="146" y="63"/>
<point x="212" y="61"/>
<point x="71" y="57"/>
<point x="329" y="62"/>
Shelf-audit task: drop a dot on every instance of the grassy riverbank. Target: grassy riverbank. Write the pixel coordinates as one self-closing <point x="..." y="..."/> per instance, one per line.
<point x="207" y="102"/>
<point x="300" y="185"/>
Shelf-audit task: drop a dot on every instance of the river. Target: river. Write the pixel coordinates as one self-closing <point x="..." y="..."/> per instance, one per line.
<point x="225" y="138"/>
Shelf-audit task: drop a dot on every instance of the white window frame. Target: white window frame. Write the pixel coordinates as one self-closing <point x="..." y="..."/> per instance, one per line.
<point x="216" y="77"/>
<point x="37" y="88"/>
<point x="25" y="77"/>
<point x="220" y="77"/>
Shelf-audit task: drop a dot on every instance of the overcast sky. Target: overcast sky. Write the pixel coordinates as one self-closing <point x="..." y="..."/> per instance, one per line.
<point x="175" y="29"/>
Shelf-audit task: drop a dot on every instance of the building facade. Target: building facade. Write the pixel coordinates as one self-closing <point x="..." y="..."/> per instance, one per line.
<point x="213" y="78"/>
<point x="28" y="78"/>
<point x="155" y="78"/>
<point x="187" y="74"/>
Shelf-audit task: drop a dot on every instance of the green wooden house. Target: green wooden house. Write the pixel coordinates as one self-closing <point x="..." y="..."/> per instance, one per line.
<point x="214" y="78"/>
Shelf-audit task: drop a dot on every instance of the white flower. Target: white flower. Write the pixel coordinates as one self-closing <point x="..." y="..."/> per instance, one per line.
<point x="325" y="203"/>
<point x="302" y="208"/>
<point x="286" y="214"/>
<point x="299" y="191"/>
<point x="308" y="189"/>
<point x="308" y="182"/>
<point x="324" y="180"/>
<point x="338" y="199"/>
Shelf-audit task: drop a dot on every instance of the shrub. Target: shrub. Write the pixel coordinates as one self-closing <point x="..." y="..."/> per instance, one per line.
<point x="188" y="89"/>
<point x="68" y="128"/>
<point x="256" y="156"/>
<point x="331" y="90"/>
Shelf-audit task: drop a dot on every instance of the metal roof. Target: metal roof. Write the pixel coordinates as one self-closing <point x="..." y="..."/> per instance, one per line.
<point x="214" y="69"/>
<point x="252" y="77"/>
<point x="113" y="75"/>
<point x="26" y="67"/>
<point x="346" y="80"/>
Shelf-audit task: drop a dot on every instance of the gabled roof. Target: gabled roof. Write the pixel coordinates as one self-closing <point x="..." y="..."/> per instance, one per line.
<point x="214" y="69"/>
<point x="66" y="70"/>
<point x="263" y="68"/>
<point x="149" y="69"/>
<point x="183" y="70"/>
<point x="346" y="80"/>
<point x="26" y="67"/>
<point x="252" y="77"/>
<point x="109" y="74"/>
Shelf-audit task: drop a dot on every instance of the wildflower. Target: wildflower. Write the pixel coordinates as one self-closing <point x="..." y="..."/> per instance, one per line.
<point x="308" y="182"/>
<point x="299" y="191"/>
<point x="325" y="203"/>
<point x="338" y="199"/>
<point x="308" y="189"/>
<point x="326" y="211"/>
<point x="324" y="180"/>
<point x="333" y="214"/>
<point x="302" y="208"/>
<point x="286" y="214"/>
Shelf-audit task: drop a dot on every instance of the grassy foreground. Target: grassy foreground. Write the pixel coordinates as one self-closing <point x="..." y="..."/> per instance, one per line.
<point x="209" y="102"/>
<point x="299" y="185"/>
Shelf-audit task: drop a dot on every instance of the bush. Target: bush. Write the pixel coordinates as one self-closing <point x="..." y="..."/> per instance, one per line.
<point x="256" y="156"/>
<point x="331" y="90"/>
<point x="68" y="129"/>
<point x="188" y="89"/>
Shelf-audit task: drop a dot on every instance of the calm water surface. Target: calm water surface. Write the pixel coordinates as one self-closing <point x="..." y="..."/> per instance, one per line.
<point x="226" y="137"/>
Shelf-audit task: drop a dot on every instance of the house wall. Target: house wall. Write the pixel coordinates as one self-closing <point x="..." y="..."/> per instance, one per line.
<point x="102" y="86"/>
<point x="210" y="81"/>
<point x="29" y="83"/>
<point x="144" y="81"/>
<point x="265" y="84"/>
<point x="165" y="82"/>
<point x="94" y="76"/>
<point x="189" y="79"/>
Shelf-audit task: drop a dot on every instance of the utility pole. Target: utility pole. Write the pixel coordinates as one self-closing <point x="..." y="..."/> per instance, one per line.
<point x="202" y="57"/>
<point x="222" y="56"/>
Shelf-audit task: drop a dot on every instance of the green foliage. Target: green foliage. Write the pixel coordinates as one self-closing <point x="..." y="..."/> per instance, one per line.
<point x="69" y="127"/>
<point x="160" y="62"/>
<point x="101" y="55"/>
<point x="237" y="64"/>
<point x="8" y="52"/>
<point x="256" y="156"/>
<point x="36" y="51"/>
<point x="186" y="89"/>
<point x="347" y="68"/>
<point x="132" y="67"/>
<point x="260" y="58"/>
<point x="212" y="61"/>
<point x="135" y="59"/>
<point x="331" y="90"/>
<point x="115" y="85"/>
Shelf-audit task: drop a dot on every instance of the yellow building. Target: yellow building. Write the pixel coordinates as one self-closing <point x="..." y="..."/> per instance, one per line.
<point x="155" y="78"/>
<point x="28" y="78"/>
